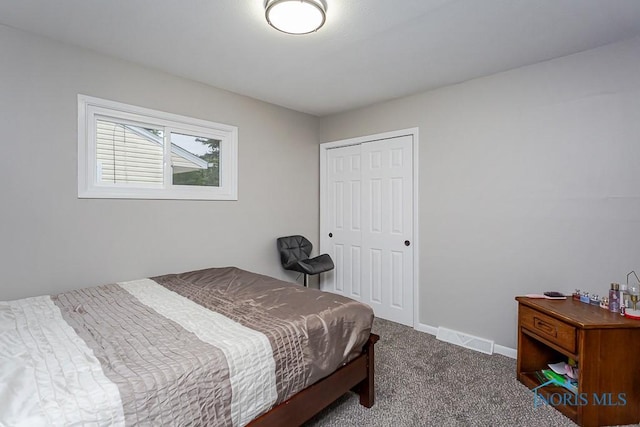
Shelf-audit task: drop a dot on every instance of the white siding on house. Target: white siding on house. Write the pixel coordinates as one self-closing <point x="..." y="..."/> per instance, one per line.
<point x="180" y="164"/>
<point x="124" y="156"/>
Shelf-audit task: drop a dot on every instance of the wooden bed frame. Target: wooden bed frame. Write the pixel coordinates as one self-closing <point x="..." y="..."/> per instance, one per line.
<point x="357" y="375"/>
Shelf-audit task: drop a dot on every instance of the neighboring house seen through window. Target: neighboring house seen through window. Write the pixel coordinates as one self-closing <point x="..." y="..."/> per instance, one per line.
<point x="132" y="152"/>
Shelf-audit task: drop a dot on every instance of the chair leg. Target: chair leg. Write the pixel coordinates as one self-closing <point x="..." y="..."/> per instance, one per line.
<point x="306" y="281"/>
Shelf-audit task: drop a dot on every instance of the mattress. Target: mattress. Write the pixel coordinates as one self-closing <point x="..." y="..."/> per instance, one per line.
<point x="219" y="346"/>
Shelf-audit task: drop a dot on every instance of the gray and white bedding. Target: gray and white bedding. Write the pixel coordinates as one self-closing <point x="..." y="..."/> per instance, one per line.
<point x="212" y="347"/>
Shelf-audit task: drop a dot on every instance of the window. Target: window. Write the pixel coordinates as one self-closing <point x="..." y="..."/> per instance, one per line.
<point x="129" y="152"/>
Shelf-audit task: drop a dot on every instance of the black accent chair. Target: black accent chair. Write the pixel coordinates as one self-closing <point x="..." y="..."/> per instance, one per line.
<point x="294" y="256"/>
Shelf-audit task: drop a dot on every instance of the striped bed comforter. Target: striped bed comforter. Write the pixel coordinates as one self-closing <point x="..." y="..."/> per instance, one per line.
<point x="211" y="347"/>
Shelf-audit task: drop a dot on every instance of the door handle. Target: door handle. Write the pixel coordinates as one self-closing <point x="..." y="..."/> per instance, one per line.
<point x="407" y="243"/>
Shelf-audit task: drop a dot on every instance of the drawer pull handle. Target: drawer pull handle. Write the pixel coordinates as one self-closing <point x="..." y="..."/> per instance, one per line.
<point x="545" y="327"/>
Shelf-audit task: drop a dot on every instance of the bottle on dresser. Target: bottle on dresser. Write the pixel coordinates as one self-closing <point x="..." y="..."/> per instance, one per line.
<point x="624" y="296"/>
<point x="614" y="298"/>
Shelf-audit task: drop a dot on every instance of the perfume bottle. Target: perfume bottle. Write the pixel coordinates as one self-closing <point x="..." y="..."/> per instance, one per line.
<point x="614" y="298"/>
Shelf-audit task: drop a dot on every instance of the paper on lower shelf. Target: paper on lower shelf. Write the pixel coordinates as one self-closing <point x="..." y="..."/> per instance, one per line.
<point x="559" y="368"/>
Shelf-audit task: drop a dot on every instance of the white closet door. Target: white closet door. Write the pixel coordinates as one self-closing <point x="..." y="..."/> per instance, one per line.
<point x="387" y="228"/>
<point x="369" y="216"/>
<point x="345" y="221"/>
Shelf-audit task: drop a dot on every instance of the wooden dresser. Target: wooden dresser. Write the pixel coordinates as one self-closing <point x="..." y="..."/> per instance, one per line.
<point x="606" y="347"/>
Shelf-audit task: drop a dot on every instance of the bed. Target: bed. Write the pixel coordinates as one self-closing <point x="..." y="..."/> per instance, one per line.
<point x="219" y="346"/>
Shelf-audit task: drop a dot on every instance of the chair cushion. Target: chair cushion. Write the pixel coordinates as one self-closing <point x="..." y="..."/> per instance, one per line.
<point x="316" y="265"/>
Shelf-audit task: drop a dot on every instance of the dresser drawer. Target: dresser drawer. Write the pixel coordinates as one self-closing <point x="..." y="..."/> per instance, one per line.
<point x="549" y="328"/>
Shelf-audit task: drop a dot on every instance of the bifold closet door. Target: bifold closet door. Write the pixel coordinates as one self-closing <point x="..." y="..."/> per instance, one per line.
<point x="370" y="223"/>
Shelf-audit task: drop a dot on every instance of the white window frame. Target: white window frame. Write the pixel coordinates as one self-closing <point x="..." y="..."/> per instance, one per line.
<point x="90" y="109"/>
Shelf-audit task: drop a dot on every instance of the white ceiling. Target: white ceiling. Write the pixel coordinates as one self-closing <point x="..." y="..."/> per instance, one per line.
<point x="368" y="51"/>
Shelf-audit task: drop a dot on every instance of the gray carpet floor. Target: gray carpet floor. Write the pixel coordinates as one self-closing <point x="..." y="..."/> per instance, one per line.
<point x="421" y="381"/>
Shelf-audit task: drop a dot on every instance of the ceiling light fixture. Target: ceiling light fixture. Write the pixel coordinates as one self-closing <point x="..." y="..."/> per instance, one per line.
<point x="296" y="16"/>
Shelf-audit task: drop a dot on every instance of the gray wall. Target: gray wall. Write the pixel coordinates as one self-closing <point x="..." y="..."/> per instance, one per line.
<point x="52" y="241"/>
<point x="529" y="181"/>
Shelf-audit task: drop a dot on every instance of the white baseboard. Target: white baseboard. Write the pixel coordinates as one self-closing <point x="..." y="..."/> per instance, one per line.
<point x="499" y="349"/>
<point x="421" y="327"/>
<point x="505" y="351"/>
